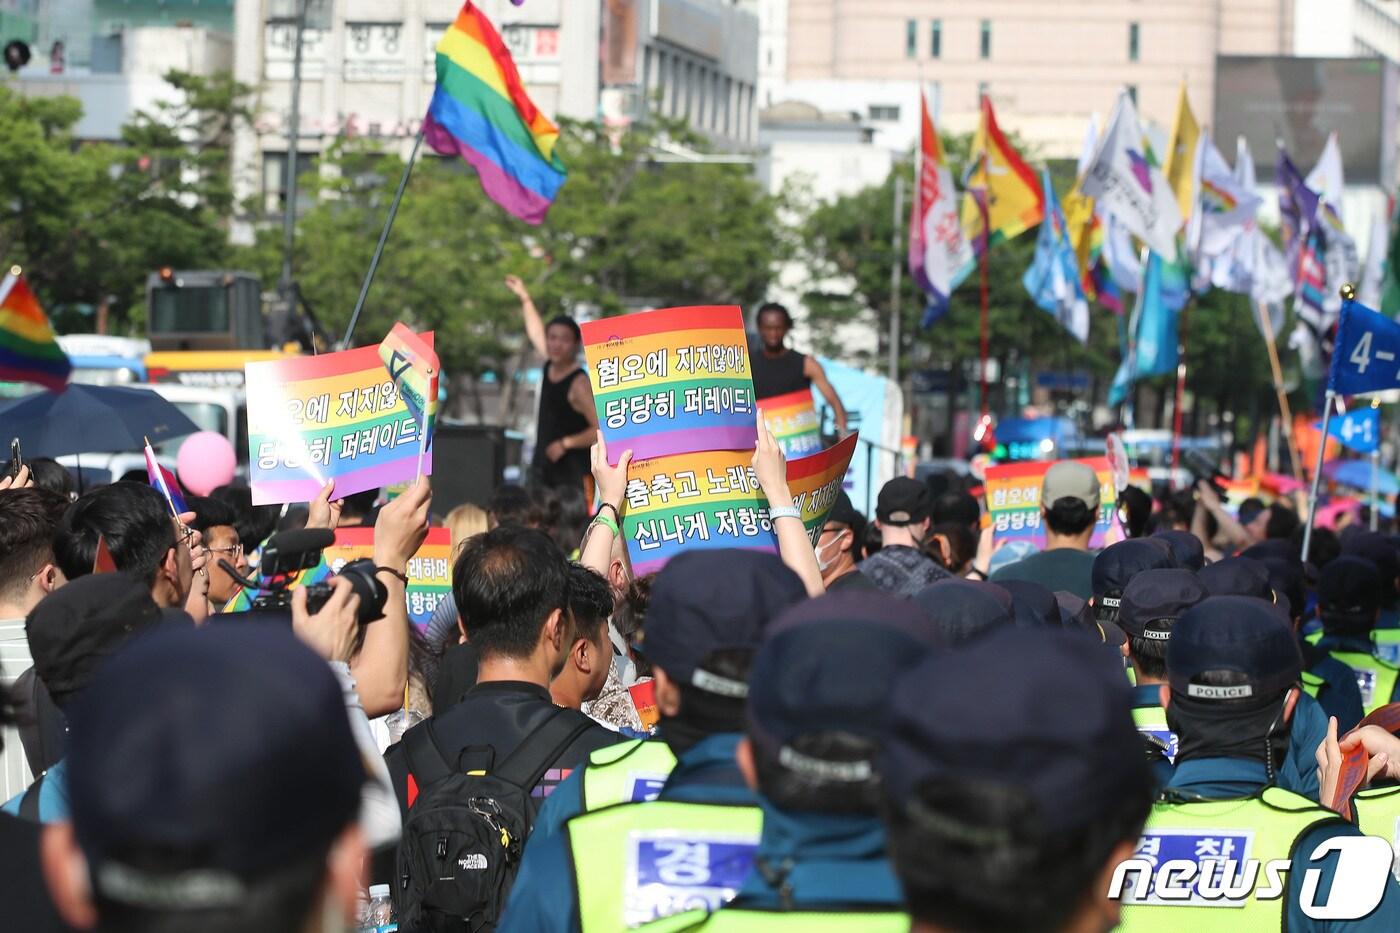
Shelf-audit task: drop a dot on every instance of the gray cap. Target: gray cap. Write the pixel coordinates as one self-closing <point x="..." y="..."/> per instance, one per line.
<point x="1069" y="479"/>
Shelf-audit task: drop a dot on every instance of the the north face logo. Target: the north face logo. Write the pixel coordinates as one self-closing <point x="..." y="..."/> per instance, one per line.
<point x="474" y="862"/>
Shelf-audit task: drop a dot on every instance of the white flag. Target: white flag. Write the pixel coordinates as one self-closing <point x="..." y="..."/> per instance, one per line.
<point x="1326" y="178"/>
<point x="1373" y="274"/>
<point x="1226" y="209"/>
<point x="1128" y="186"/>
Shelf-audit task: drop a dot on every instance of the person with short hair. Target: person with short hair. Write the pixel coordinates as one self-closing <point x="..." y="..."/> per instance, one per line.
<point x="185" y="817"/>
<point x="1069" y="509"/>
<point x="589" y="655"/>
<point x="1232" y="670"/>
<point x="901" y="566"/>
<point x="567" y="420"/>
<point x="214" y="520"/>
<point x="780" y="370"/>
<point x="838" y="548"/>
<point x="1000" y="821"/>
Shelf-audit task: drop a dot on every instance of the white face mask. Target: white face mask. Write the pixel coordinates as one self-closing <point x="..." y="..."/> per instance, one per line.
<point x="825" y="565"/>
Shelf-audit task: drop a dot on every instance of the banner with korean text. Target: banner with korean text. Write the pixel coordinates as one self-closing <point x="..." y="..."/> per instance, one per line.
<point x="334" y="416"/>
<point x="793" y="420"/>
<point x="429" y="570"/>
<point x="672" y="381"/>
<point x="1013" y="500"/>
<point x="711" y="499"/>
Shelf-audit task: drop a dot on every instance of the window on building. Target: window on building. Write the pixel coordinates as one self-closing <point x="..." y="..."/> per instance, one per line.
<point x="884" y="112"/>
<point x="1132" y="42"/>
<point x="983" y="89"/>
<point x="935" y="38"/>
<point x="1132" y="94"/>
<point x="911" y="38"/>
<point x="986" y="39"/>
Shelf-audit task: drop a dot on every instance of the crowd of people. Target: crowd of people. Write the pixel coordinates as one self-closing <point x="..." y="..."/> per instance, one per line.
<point x="896" y="726"/>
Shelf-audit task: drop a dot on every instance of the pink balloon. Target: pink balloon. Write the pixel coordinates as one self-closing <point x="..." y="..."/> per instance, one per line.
<point x="205" y="462"/>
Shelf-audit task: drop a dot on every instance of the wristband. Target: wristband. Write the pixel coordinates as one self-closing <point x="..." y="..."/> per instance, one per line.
<point x="608" y="505"/>
<point x="601" y="519"/>
<point x="393" y="573"/>
<point x="784" y="511"/>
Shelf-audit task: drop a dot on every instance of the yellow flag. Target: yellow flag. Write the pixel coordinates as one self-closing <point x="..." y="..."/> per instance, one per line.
<point x="1015" y="199"/>
<point x="1181" y="152"/>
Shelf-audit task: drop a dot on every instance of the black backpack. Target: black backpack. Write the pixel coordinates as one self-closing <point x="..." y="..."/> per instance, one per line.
<point x="463" y="837"/>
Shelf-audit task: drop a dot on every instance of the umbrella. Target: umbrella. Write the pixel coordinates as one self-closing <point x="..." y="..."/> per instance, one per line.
<point x="1357" y="474"/>
<point x="91" y="419"/>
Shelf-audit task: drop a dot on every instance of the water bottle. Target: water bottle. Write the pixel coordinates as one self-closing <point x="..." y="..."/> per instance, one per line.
<point x="381" y="910"/>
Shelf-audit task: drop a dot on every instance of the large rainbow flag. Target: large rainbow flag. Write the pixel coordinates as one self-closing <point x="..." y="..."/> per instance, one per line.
<point x="28" y="350"/>
<point x="480" y="111"/>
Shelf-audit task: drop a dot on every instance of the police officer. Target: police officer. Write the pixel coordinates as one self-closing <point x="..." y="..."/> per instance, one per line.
<point x="1116" y="565"/>
<point x="1012" y="815"/>
<point x="1349" y="594"/>
<point x="1232" y="669"/>
<point x="818" y="701"/>
<point x="962" y="609"/>
<point x="1152" y="602"/>
<point x="707" y="613"/>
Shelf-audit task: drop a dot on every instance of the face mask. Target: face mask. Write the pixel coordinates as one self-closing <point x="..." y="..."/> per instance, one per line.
<point x="824" y="565"/>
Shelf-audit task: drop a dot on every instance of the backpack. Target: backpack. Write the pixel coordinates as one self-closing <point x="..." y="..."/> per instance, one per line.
<point x="464" y="834"/>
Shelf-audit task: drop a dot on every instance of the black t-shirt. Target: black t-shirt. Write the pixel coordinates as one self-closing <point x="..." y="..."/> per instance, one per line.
<point x="853" y="582"/>
<point x="23" y="893"/>
<point x="488" y="724"/>
<point x="456" y="674"/>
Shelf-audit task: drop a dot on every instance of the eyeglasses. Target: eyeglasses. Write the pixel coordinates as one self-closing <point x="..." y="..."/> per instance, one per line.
<point x="233" y="551"/>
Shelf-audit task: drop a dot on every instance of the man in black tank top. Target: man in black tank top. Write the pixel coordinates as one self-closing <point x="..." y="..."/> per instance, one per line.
<point x="778" y="370"/>
<point x="567" y="423"/>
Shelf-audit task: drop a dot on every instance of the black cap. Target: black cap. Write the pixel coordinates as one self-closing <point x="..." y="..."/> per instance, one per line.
<point x="825" y="667"/>
<point x="844" y="513"/>
<point x="223" y="753"/>
<point x="1118" y="563"/>
<point x="1288" y="580"/>
<point x="1187" y="549"/>
<point x="1155" y="599"/>
<point x="1349" y="592"/>
<point x="708" y="601"/>
<point x="903" y="501"/>
<point x="76" y="628"/>
<point x="1061" y="729"/>
<point x="1379" y="550"/>
<point x="1237" y="576"/>
<point x="962" y="609"/>
<point x="1237" y="634"/>
<point x="1032" y="605"/>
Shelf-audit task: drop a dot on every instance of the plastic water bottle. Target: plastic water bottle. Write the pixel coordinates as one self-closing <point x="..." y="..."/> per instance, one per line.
<point x="381" y="910"/>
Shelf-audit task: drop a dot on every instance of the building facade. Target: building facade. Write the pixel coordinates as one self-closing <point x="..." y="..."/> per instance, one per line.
<point x="368" y="69"/>
<point x="1046" y="66"/>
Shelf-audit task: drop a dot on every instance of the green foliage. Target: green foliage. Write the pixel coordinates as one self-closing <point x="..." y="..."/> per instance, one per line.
<point x="625" y="232"/>
<point x="88" y="220"/>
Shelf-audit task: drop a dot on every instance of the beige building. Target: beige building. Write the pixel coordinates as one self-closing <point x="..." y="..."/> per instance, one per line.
<point x="1047" y="64"/>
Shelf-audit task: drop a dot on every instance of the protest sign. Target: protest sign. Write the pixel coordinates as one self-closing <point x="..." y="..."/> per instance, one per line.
<point x="644" y="699"/>
<point x="334" y="416"/>
<point x="429" y="569"/>
<point x="672" y="381"/>
<point x="793" y="420"/>
<point x="415" y="369"/>
<point x="1013" y="499"/>
<point x="712" y="500"/>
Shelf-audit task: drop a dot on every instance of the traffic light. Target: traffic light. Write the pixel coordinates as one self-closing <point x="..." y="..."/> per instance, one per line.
<point x="16" y="55"/>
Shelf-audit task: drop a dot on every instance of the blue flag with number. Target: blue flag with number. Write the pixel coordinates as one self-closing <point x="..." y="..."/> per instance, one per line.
<point x="1359" y="429"/>
<point x="1366" y="357"/>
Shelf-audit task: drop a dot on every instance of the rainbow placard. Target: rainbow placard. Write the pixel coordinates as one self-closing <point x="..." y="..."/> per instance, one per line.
<point x="672" y="381"/>
<point x="1013" y="499"/>
<point x="334" y="416"/>
<point x="429" y="570"/>
<point x="711" y="499"/>
<point x="793" y="420"/>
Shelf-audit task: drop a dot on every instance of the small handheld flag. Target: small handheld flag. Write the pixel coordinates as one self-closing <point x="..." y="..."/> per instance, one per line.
<point x="29" y="352"/>
<point x="164" y="482"/>
<point x="1367" y="353"/>
<point x="414" y="367"/>
<point x="1359" y="429"/>
<point x="103" y="562"/>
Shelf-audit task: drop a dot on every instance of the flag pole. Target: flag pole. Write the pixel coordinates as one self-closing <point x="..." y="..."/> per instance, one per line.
<point x="1266" y="324"/>
<point x="1180" y="388"/>
<point x="1328" y="404"/>
<point x="985" y="269"/>
<point x="383" y="237"/>
<point x="1375" y="495"/>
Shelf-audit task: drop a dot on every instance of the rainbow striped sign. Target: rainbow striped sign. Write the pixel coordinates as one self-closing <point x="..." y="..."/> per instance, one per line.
<point x="429" y="570"/>
<point x="793" y="420"/>
<point x="712" y="500"/>
<point x="1013" y="499"/>
<point x="334" y="416"/>
<point x="672" y="381"/>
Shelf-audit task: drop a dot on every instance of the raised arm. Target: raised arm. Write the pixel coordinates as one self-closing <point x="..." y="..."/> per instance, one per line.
<point x="534" y="324"/>
<point x="596" y="550"/>
<point x="795" y="548"/>
<point x="813" y="371"/>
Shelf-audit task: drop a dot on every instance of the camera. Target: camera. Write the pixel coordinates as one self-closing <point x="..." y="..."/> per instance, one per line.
<point x="290" y="552"/>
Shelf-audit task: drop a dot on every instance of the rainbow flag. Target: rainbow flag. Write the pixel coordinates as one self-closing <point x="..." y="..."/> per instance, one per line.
<point x="164" y="482"/>
<point x="1000" y="187"/>
<point x="28" y="350"/>
<point x="480" y="111"/>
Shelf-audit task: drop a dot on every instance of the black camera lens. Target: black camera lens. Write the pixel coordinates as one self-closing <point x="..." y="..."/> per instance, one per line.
<point x="368" y="587"/>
